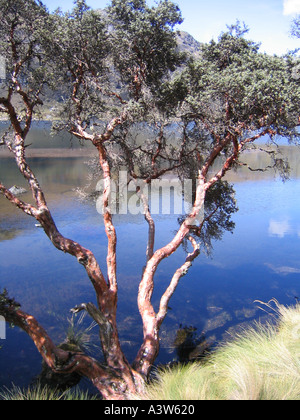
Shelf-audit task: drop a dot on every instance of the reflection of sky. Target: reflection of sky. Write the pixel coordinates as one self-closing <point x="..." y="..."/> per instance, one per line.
<point x="284" y="270"/>
<point x="280" y="228"/>
<point x="267" y="227"/>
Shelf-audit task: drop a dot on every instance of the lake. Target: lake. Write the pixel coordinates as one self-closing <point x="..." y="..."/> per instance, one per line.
<point x="259" y="261"/>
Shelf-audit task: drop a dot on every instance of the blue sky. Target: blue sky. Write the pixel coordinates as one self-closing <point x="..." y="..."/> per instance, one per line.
<point x="269" y="21"/>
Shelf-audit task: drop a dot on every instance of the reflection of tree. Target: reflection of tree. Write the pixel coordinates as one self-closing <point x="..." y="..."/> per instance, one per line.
<point x="7" y="235"/>
<point x="219" y="206"/>
<point x="189" y="345"/>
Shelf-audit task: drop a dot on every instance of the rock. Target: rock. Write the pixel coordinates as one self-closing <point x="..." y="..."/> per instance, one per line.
<point x="17" y="190"/>
<point x="218" y="321"/>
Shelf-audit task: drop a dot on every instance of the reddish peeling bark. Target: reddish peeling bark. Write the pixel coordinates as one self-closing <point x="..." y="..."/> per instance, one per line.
<point x="111" y="384"/>
<point x="109" y="227"/>
<point x="181" y="272"/>
<point x="151" y="321"/>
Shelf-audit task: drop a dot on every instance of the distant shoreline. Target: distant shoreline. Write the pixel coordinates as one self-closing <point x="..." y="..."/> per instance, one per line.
<point x="51" y="153"/>
<point x="78" y="152"/>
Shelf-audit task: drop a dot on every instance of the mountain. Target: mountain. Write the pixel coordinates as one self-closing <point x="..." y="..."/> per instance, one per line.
<point x="188" y="44"/>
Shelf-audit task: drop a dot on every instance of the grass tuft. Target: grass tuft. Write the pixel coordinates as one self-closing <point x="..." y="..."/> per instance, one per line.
<point x="42" y="393"/>
<point x="261" y="363"/>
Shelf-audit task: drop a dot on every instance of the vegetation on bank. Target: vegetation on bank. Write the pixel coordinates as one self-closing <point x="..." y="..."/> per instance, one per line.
<point x="263" y="363"/>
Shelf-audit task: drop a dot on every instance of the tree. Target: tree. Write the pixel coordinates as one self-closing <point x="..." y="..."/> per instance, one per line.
<point x="237" y="95"/>
<point x="120" y="71"/>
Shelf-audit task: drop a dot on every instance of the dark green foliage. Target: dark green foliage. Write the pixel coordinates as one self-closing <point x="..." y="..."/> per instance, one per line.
<point x="78" y="51"/>
<point x="7" y="303"/>
<point x="79" y="41"/>
<point x="234" y="87"/>
<point x="144" y="42"/>
<point x="22" y="35"/>
<point x="234" y="93"/>
<point x="111" y="62"/>
<point x="22" y="24"/>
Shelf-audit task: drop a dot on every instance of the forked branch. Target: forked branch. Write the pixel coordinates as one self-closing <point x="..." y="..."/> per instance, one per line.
<point x="181" y="272"/>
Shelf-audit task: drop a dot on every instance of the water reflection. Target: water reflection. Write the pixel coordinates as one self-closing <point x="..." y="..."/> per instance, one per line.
<point x="9" y="234"/>
<point x="280" y="228"/>
<point x="190" y="345"/>
<point x="284" y="271"/>
<point x="258" y="261"/>
<point x="41" y="137"/>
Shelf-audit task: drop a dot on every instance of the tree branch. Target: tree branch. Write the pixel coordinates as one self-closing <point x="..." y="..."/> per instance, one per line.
<point x="106" y="380"/>
<point x="109" y="227"/>
<point x="150" y="346"/>
<point x="25" y="207"/>
<point x="181" y="272"/>
<point x="43" y="215"/>
<point x="151" y="224"/>
<point x="227" y="165"/>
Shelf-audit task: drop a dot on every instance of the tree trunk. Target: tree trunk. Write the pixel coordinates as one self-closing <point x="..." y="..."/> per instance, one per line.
<point x="113" y="383"/>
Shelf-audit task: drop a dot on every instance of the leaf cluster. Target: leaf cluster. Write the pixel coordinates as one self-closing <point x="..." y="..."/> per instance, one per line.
<point x="234" y="88"/>
<point x="22" y="35"/>
<point x="144" y="41"/>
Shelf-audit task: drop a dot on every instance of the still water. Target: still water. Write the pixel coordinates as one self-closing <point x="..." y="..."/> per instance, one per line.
<point x="259" y="261"/>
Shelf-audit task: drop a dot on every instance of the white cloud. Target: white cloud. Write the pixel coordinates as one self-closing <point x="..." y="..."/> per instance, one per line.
<point x="291" y="7"/>
<point x="279" y="228"/>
